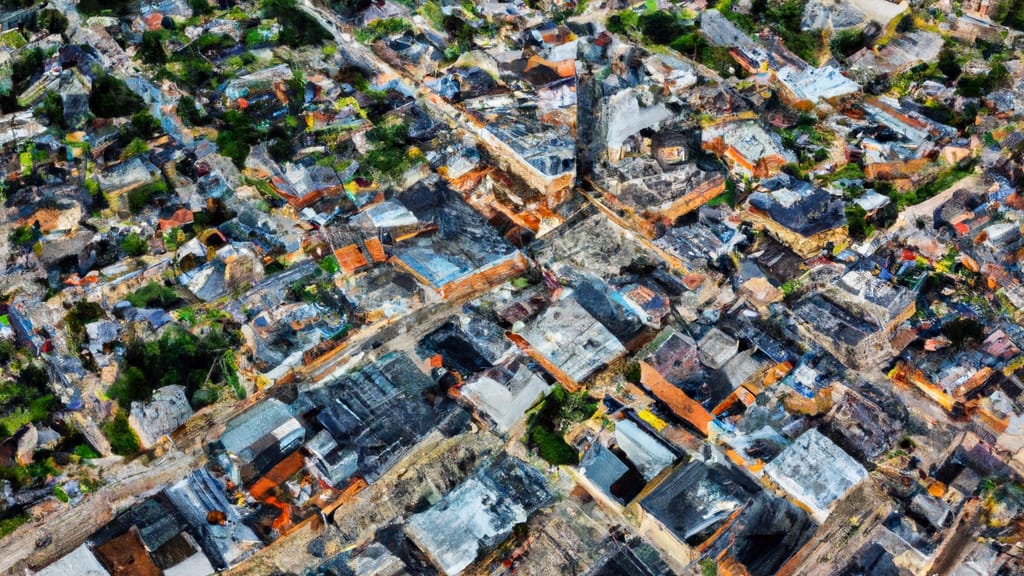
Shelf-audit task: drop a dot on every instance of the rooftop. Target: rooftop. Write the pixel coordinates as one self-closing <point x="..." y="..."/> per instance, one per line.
<point x="572" y="339"/>
<point x="815" y="472"/>
<point x="479" y="513"/>
<point x="698" y="499"/>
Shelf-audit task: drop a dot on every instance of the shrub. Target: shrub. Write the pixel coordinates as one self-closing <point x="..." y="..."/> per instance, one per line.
<point x="60" y="494"/>
<point x="177" y="357"/>
<point x="85" y="452"/>
<point x="111" y="98"/>
<point x="82" y="313"/>
<point x="200" y="7"/>
<point x="552" y="447"/>
<point x="119" y="433"/>
<point x="9" y="525"/>
<point x="153" y="294"/>
<point x="144" y="124"/>
<point x="134" y="245"/>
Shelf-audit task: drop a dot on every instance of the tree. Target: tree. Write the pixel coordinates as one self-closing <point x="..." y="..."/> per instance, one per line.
<point x="236" y="137"/>
<point x="82" y="313"/>
<point x="134" y="245"/>
<point x="297" y="28"/>
<point x="134" y="148"/>
<point x="111" y="7"/>
<point x="947" y="63"/>
<point x="200" y="7"/>
<point x="189" y="112"/>
<point x="144" y="124"/>
<point x="856" y="221"/>
<point x="281" y="149"/>
<point x="660" y="27"/>
<point x="111" y="98"/>
<point x="963" y="330"/>
<point x="53" y="108"/>
<point x="152" y="48"/>
<point x="52" y="20"/>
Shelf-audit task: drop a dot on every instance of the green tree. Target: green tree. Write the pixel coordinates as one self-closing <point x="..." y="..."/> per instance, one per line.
<point x="152" y="48"/>
<point x="189" y="112"/>
<point x="53" y="108"/>
<point x="134" y="245"/>
<point x="119" y="433"/>
<point x="856" y="221"/>
<point x="82" y="313"/>
<point x="52" y="20"/>
<point x="200" y="7"/>
<point x="111" y="98"/>
<point x="144" y="124"/>
<point x="661" y="27"/>
<point x="134" y="148"/>
<point x="948" y="64"/>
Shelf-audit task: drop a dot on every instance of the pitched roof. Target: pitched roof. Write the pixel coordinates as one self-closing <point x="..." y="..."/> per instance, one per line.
<point x="350" y="258"/>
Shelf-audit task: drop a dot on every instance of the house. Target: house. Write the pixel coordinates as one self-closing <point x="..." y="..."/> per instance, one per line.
<point x="854" y="316"/>
<point x="815" y="472"/>
<point x="200" y="499"/>
<point x="118" y="180"/>
<point x="671" y="373"/>
<point x="372" y="417"/>
<point x="798" y="214"/>
<point x="747" y="148"/>
<point x="695" y="502"/>
<point x="808" y="86"/>
<point x="664" y="191"/>
<point x="165" y="412"/>
<point x="479" y="513"/>
<point x="504" y="393"/>
<point x="81" y="562"/>
<point x="568" y="342"/>
<point x="19" y="127"/>
<point x="261" y="436"/>
<point x="465" y="255"/>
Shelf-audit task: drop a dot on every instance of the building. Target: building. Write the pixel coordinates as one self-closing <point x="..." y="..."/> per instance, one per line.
<point x="854" y="316"/>
<point x="165" y="412"/>
<point x="746" y="147"/>
<point x="504" y="393"/>
<point x="815" y="472"/>
<point x="479" y="514"/>
<point x="261" y="436"/>
<point x="672" y="369"/>
<point x="568" y="342"/>
<point x="798" y="214"/>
